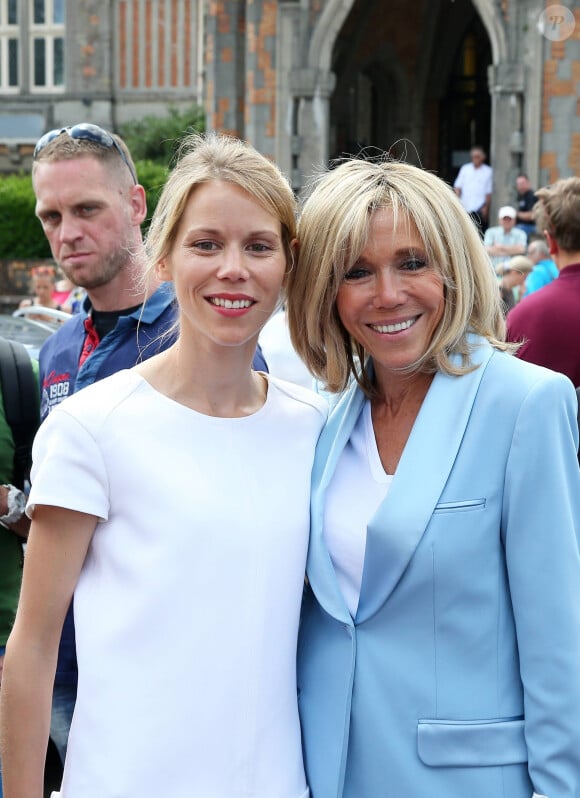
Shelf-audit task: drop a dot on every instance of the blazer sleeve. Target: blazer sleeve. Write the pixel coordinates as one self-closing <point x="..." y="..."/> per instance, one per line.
<point x="541" y="529"/>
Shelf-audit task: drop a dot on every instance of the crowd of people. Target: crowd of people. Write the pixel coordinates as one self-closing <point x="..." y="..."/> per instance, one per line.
<point x="517" y="233"/>
<point x="360" y="581"/>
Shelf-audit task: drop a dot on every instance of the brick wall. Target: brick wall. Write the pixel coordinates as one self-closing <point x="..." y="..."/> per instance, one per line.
<point x="561" y="108"/>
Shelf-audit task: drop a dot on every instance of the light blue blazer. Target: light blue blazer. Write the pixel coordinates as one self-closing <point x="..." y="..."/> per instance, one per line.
<point x="460" y="675"/>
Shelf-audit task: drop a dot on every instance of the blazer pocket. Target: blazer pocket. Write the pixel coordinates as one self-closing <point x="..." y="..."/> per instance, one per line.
<point x="471" y="743"/>
<point x="469" y="505"/>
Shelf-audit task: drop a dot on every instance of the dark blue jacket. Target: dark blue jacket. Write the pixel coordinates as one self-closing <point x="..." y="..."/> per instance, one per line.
<point x="136" y="337"/>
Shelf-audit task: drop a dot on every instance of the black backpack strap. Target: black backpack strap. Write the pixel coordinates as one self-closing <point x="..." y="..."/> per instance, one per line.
<point x="21" y="404"/>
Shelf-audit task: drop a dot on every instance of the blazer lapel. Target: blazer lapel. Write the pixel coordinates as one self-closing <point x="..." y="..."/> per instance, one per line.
<point x="398" y="525"/>
<point x="334" y="437"/>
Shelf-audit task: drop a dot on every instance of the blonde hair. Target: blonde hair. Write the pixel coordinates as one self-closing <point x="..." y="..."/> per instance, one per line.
<point x="332" y="232"/>
<point x="65" y="148"/>
<point x="203" y="159"/>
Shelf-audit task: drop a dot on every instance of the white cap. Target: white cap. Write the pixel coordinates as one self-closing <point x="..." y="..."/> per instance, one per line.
<point x="507" y="210"/>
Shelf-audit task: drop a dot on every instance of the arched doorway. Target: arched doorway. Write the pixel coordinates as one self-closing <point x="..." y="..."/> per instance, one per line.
<point x="418" y="89"/>
<point x="464" y="106"/>
<point x="366" y="72"/>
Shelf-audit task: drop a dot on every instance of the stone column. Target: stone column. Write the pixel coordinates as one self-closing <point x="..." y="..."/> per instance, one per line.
<point x="506" y="84"/>
<point x="288" y="50"/>
<point x="225" y="51"/>
<point x="311" y="90"/>
<point x="260" y="100"/>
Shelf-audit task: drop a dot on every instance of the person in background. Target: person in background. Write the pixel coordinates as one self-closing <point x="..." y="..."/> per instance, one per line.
<point x="547" y="323"/>
<point x="440" y="633"/>
<point x="504" y="240"/>
<point x="42" y="283"/>
<point x="91" y="208"/>
<point x="513" y="274"/>
<point x="14" y="524"/>
<point x="68" y="295"/>
<point x="544" y="271"/>
<point x="473" y="185"/>
<point x="12" y="505"/>
<point x="185" y="531"/>
<point x="526" y="200"/>
<point x="283" y="360"/>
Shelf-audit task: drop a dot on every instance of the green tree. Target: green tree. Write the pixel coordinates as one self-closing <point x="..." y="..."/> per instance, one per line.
<point x="152" y="142"/>
<point x="156" y="138"/>
<point x="21" y="235"/>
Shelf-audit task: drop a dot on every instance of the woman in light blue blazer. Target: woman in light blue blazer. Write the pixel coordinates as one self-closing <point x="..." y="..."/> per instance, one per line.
<point x="440" y="641"/>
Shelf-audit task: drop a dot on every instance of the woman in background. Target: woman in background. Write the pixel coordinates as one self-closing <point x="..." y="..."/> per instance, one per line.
<point x="42" y="283"/>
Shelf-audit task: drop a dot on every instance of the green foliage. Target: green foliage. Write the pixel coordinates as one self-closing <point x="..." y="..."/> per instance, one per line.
<point x="152" y="177"/>
<point x="155" y="138"/>
<point x="152" y="141"/>
<point x="21" y="235"/>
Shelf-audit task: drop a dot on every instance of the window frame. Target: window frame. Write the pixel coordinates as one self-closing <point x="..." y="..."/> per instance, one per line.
<point x="49" y="32"/>
<point x="9" y="32"/>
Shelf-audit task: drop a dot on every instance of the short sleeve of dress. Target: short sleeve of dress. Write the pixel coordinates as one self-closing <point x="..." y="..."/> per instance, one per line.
<point x="68" y="469"/>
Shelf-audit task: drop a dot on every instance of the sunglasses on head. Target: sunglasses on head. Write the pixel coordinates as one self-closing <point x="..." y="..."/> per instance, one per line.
<point x="85" y="132"/>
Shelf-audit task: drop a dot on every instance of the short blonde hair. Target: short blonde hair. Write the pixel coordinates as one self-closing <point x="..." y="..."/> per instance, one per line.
<point x="332" y="232"/>
<point x="206" y="158"/>
<point x="65" y="148"/>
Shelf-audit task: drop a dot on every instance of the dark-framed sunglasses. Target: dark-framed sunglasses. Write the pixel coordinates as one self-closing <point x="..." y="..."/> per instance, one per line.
<point x="87" y="132"/>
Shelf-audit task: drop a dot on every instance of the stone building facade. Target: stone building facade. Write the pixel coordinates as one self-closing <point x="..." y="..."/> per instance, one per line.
<point x="101" y="61"/>
<point x="327" y="77"/>
<point x="306" y="80"/>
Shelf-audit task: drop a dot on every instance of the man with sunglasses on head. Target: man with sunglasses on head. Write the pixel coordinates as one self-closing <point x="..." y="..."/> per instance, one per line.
<point x="91" y="208"/>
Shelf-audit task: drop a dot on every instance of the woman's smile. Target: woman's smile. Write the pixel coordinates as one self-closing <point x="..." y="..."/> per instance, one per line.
<point x="231" y="305"/>
<point x="394" y="327"/>
<point x="227" y="264"/>
<point x="391" y="300"/>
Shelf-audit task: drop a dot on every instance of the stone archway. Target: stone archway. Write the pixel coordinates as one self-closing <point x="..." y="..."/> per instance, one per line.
<point x="336" y="11"/>
<point x="314" y="83"/>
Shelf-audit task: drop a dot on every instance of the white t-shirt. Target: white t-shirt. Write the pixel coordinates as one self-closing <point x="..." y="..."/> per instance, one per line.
<point x="497" y="235"/>
<point x="357" y="489"/>
<point x="187" y="606"/>
<point x="475" y="184"/>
